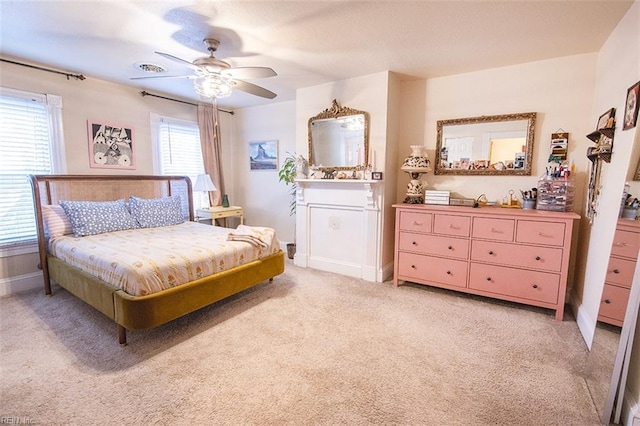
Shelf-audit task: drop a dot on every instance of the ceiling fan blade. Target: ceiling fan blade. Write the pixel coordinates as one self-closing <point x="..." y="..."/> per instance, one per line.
<point x="252" y="72"/>
<point x="180" y="61"/>
<point x="253" y="89"/>
<point x="161" y="76"/>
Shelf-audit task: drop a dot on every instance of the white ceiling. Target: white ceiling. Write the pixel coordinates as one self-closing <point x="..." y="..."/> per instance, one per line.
<point x="305" y="42"/>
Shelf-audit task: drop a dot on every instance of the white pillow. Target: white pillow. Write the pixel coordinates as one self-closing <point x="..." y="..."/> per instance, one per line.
<point x="56" y="223"/>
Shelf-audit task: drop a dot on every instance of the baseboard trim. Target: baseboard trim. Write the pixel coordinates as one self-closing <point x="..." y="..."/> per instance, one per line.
<point x="20" y="283"/>
<point x="586" y="326"/>
<point x="630" y="415"/>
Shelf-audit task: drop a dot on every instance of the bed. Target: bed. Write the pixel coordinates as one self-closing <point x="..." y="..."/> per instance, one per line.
<point x="151" y="305"/>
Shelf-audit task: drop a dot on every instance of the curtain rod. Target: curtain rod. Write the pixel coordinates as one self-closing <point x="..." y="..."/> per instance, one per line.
<point x="145" y="93"/>
<point x="68" y="75"/>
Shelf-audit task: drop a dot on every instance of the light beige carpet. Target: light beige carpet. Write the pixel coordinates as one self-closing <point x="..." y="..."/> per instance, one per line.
<point x="309" y="348"/>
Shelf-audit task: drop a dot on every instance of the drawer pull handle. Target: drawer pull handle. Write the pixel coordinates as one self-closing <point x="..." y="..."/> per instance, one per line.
<point x="416" y="223"/>
<point x="616" y="271"/>
<point x="607" y="301"/>
<point x="448" y="272"/>
<point x="535" y="286"/>
<point x="621" y="244"/>
<point x="542" y="234"/>
<point x="490" y="252"/>
<point x="537" y="257"/>
<point x="497" y="231"/>
<point x="414" y="243"/>
<point x="488" y="278"/>
<point x="450" y="248"/>
<point x="413" y="266"/>
<point x="454" y="227"/>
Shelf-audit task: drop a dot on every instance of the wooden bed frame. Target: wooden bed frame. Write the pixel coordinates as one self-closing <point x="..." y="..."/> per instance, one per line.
<point x="136" y="312"/>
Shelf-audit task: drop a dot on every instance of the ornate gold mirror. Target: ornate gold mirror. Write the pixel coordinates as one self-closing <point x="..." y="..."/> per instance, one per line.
<point x="486" y="145"/>
<point x="339" y="138"/>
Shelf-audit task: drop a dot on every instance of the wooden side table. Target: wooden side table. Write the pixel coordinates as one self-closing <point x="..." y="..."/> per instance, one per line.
<point x="219" y="212"/>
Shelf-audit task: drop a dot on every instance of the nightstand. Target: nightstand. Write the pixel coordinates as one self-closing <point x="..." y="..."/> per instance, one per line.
<point x="219" y="212"/>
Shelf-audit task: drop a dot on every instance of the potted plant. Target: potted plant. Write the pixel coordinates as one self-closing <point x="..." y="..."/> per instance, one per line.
<point x="287" y="174"/>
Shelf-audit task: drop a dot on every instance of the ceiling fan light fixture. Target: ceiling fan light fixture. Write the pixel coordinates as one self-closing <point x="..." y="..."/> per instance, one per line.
<point x="213" y="86"/>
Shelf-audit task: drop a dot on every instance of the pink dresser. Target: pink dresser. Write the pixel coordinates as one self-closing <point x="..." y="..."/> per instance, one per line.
<point x="510" y="254"/>
<point x="622" y="265"/>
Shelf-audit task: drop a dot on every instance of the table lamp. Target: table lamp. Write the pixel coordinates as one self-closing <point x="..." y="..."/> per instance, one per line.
<point x="204" y="184"/>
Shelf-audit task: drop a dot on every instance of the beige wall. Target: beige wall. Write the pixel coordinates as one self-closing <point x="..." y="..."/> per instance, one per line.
<point x="93" y="99"/>
<point x="560" y="91"/>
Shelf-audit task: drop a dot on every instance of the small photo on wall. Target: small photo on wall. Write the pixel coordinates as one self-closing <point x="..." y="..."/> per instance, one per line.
<point x="263" y="155"/>
<point x="631" y="107"/>
<point x="111" y="146"/>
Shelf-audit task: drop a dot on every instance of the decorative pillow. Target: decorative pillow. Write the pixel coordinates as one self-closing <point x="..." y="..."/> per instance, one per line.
<point x="98" y="217"/>
<point x="154" y="212"/>
<point x="56" y="222"/>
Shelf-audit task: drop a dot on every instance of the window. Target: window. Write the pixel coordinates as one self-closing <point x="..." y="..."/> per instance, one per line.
<point x="178" y="151"/>
<point x="30" y="143"/>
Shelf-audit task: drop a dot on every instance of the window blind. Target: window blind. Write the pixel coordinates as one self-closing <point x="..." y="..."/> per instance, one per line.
<point x="25" y="148"/>
<point x="180" y="152"/>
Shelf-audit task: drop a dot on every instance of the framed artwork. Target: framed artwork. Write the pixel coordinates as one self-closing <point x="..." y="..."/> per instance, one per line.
<point x="559" y="145"/>
<point x="606" y="119"/>
<point x="111" y="146"/>
<point x="631" y="107"/>
<point x="263" y="155"/>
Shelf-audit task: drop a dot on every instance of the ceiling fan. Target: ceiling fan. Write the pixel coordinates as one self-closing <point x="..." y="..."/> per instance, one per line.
<point x="215" y="78"/>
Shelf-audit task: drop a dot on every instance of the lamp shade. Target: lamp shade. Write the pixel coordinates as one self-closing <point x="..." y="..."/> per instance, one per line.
<point x="204" y="183"/>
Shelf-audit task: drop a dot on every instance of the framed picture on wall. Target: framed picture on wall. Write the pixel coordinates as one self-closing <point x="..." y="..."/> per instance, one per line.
<point x="263" y="155"/>
<point x="631" y="107"/>
<point x="111" y="146"/>
<point x="606" y="119"/>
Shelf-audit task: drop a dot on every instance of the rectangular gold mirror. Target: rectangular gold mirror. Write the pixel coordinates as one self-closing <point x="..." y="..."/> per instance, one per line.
<point x="485" y="145"/>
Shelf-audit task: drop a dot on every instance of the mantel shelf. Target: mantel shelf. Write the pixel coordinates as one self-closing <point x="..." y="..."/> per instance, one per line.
<point x="339" y="181"/>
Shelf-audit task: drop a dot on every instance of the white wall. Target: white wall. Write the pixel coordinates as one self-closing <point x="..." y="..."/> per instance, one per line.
<point x="266" y="200"/>
<point x="618" y="68"/>
<point x="375" y="94"/>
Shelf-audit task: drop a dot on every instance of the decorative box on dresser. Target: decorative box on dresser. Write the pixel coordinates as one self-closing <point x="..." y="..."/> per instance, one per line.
<point x="622" y="264"/>
<point x="509" y="254"/>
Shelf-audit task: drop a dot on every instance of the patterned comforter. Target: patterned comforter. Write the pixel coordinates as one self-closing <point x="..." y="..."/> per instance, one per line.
<point x="147" y="260"/>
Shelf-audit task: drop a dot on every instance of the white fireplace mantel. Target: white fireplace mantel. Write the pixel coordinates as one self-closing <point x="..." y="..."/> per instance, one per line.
<point x="339" y="226"/>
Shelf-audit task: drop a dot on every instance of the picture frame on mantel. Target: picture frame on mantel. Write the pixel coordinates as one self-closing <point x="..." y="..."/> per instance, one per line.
<point x="111" y="146"/>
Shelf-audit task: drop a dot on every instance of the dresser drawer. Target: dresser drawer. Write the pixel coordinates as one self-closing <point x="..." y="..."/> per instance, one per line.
<point x="432" y="269"/>
<point x="540" y="258"/>
<point x="493" y="229"/>
<point x="458" y="226"/>
<point x="434" y="244"/>
<point x="531" y="285"/>
<point x="416" y="221"/>
<point x="626" y="243"/>
<point x="534" y="232"/>
<point x="620" y="271"/>
<point x="613" y="304"/>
